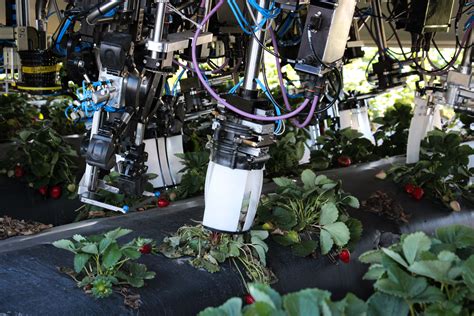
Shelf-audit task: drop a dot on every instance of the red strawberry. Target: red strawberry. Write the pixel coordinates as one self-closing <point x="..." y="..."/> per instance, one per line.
<point x="249" y="299"/>
<point x="409" y="188"/>
<point x="345" y="256"/>
<point x="19" y="171"/>
<point x="162" y="202"/>
<point x="145" y="249"/>
<point x="418" y="193"/>
<point x="344" y="161"/>
<point x="55" y="192"/>
<point x="43" y="190"/>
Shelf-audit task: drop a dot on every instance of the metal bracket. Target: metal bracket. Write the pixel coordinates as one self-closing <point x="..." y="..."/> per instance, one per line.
<point x="178" y="41"/>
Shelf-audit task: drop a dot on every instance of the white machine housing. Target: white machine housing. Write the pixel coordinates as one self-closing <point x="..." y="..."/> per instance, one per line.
<point x="357" y="119"/>
<point x="235" y="196"/>
<point x="426" y="118"/>
<point x="162" y="160"/>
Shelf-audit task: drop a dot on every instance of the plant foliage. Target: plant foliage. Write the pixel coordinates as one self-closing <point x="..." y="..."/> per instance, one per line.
<point x="286" y="154"/>
<point x="342" y="143"/>
<point x="442" y="170"/>
<point x="305" y="302"/>
<point x="420" y="275"/>
<point x="15" y="114"/>
<point x="432" y="276"/>
<point x="53" y="113"/>
<point x="100" y="262"/>
<point x="194" y="174"/>
<point x="209" y="250"/>
<point x="391" y="136"/>
<point x="47" y="159"/>
<point x="309" y="215"/>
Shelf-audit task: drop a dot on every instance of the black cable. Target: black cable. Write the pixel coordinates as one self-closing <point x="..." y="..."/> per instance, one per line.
<point x="310" y="41"/>
<point x="267" y="87"/>
<point x="398" y="41"/>
<point x="334" y="69"/>
<point x="437" y="49"/>
<point x="270" y="52"/>
<point x="338" y="93"/>
<point x="369" y="30"/>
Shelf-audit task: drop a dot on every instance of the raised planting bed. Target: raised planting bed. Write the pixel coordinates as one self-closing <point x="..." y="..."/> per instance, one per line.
<point x="32" y="284"/>
<point x="22" y="202"/>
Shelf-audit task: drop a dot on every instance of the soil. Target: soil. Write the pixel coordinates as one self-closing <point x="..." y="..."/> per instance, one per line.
<point x="10" y="227"/>
<point x="382" y="204"/>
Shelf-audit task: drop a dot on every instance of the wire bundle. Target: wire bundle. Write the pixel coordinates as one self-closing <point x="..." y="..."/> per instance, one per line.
<point x="267" y="14"/>
<point x="84" y="106"/>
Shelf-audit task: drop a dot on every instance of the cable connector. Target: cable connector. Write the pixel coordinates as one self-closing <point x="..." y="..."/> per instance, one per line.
<point x="315" y="22"/>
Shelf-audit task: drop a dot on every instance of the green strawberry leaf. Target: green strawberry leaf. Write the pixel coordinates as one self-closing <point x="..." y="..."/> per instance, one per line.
<point x="308" y="178"/>
<point x="458" y="235"/>
<point x="80" y="261"/>
<point x="339" y="233"/>
<point x="305" y="302"/>
<point x="111" y="256"/>
<point x="329" y="213"/>
<point x="304" y="248"/>
<point x="395" y="256"/>
<point x="232" y="307"/>
<point x="380" y="304"/>
<point x="414" y="244"/>
<point x="468" y="272"/>
<point x="371" y="256"/>
<point x="351" y="201"/>
<point x="326" y="242"/>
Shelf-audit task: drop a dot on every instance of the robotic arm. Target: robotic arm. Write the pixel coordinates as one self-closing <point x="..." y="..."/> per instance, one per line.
<point x="242" y="136"/>
<point x="124" y="52"/>
<point x="125" y="91"/>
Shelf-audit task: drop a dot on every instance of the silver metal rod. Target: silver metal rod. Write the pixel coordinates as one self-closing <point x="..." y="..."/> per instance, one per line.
<point x="91" y="173"/>
<point x="58" y="11"/>
<point x="140" y="134"/>
<point x="22" y="13"/>
<point x="466" y="64"/>
<point x="101" y="10"/>
<point x="254" y="54"/>
<point x="159" y="25"/>
<point x="379" y="27"/>
<point x="207" y="8"/>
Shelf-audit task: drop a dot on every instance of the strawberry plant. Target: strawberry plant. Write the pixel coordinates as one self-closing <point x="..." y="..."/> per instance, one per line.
<point x="43" y="159"/>
<point x="286" y="154"/>
<point x="210" y="249"/>
<point x="267" y="301"/>
<point x="442" y="171"/>
<point x="53" y="111"/>
<point x="194" y="174"/>
<point x="100" y="262"/>
<point x="310" y="215"/>
<point x="391" y="136"/>
<point x="196" y="134"/>
<point x="467" y="126"/>
<point x="15" y="114"/>
<point x="420" y="275"/>
<point x="428" y="276"/>
<point x="341" y="148"/>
